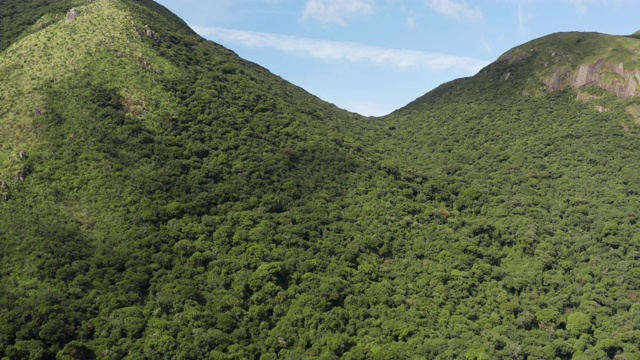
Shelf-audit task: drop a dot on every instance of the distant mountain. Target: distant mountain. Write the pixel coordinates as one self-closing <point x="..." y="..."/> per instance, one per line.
<point x="161" y="197"/>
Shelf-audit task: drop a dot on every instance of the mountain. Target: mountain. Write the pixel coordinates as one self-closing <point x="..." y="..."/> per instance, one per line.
<point x="128" y="140"/>
<point x="163" y="198"/>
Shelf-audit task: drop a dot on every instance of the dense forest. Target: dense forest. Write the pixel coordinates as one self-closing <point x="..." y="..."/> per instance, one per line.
<point x="162" y="198"/>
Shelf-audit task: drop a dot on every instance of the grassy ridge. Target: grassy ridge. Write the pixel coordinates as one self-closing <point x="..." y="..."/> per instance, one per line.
<point x="21" y="18"/>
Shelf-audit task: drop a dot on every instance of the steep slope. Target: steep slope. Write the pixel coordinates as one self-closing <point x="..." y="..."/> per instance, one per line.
<point x="537" y="254"/>
<point x="579" y="59"/>
<point x="163" y="198"/>
<point x="135" y="156"/>
<point x="18" y="17"/>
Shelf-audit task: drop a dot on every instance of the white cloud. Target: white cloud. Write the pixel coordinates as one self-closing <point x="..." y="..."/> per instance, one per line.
<point x="524" y="17"/>
<point x="486" y="45"/>
<point x="581" y="7"/>
<point x="336" y="11"/>
<point x="325" y="50"/>
<point x="456" y="9"/>
<point x="412" y="23"/>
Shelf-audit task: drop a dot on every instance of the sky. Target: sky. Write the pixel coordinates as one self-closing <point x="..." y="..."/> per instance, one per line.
<point x="375" y="56"/>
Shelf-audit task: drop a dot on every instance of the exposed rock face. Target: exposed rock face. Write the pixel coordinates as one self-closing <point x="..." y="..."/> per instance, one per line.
<point x="72" y="15"/>
<point x="588" y="74"/>
<point x="555" y="82"/>
<point x="150" y="33"/>
<point x="611" y="77"/>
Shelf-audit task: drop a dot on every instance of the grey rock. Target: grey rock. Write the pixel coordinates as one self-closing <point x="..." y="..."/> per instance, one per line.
<point x="150" y="33"/>
<point x="72" y="15"/>
<point x="625" y="83"/>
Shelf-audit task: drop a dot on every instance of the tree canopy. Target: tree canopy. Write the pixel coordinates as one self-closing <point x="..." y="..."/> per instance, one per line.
<point x="160" y="198"/>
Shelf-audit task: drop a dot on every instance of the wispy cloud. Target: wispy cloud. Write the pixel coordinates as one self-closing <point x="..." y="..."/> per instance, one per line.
<point x="325" y="50"/>
<point x="336" y="11"/>
<point x="524" y="17"/>
<point x="580" y="5"/>
<point x="486" y="45"/>
<point x="411" y="20"/>
<point x="456" y="9"/>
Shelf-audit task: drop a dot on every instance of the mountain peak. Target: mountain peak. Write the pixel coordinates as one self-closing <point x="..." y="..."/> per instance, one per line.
<point x="578" y="59"/>
<point x="102" y="40"/>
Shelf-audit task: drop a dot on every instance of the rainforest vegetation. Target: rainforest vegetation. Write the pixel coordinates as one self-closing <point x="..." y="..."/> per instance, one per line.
<point x="161" y="198"/>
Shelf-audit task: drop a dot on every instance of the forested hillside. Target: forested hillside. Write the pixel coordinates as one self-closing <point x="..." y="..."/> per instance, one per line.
<point x="161" y="197"/>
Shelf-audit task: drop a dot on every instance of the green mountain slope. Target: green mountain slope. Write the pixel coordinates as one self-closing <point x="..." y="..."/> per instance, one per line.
<point x="143" y="141"/>
<point x="540" y="190"/>
<point x="162" y="198"/>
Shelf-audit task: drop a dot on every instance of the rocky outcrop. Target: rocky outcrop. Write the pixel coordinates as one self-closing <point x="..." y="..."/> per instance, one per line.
<point x="588" y="74"/>
<point x="611" y="77"/>
<point x="4" y="188"/>
<point x="72" y="15"/>
<point x="150" y="33"/>
<point x="555" y="82"/>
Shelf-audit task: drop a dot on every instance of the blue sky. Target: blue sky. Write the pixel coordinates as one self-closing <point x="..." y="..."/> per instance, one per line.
<point x="374" y="56"/>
